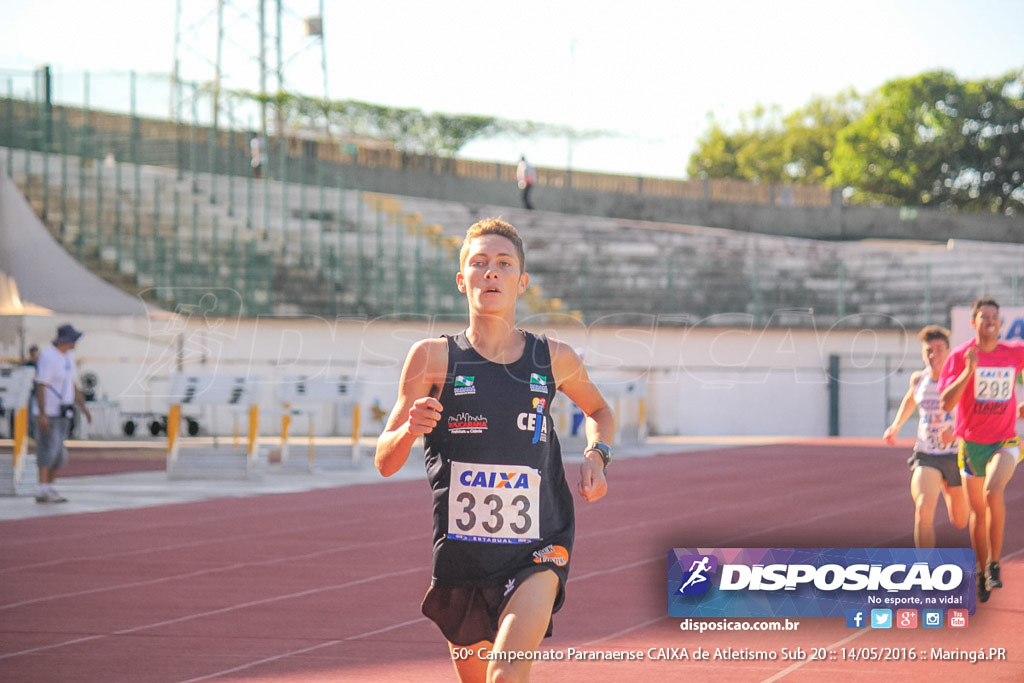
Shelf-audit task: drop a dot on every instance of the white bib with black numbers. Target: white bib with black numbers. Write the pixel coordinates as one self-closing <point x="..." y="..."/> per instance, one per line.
<point x="993" y="384"/>
<point x="493" y="503"/>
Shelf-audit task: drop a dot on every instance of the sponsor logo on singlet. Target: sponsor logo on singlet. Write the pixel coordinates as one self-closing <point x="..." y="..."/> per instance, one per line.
<point x="463" y="385"/>
<point x="493" y="479"/>
<point x="465" y="423"/>
<point x="554" y="554"/>
<point x="538" y="383"/>
<point x="534" y="421"/>
<point x="989" y="408"/>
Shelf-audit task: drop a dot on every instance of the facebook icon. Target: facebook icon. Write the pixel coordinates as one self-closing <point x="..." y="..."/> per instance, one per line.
<point x="856" y="618"/>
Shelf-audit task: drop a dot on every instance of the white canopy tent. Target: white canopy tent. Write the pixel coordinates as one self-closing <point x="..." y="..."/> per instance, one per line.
<point x="39" y="279"/>
<point x="13" y="312"/>
<point x="44" y="272"/>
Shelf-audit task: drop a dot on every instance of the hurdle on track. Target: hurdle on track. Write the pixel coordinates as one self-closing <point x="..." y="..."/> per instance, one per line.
<point x="216" y="391"/>
<point x="301" y="395"/>
<point x="628" y="400"/>
<point x="17" y="469"/>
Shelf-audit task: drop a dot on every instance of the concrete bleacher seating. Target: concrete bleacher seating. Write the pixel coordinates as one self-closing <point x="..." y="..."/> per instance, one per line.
<point x="329" y="250"/>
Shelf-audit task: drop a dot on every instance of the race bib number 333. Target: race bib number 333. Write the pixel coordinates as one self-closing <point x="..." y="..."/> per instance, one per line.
<point x="493" y="503"/>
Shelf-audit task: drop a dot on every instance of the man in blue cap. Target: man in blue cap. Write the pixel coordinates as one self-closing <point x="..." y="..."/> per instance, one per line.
<point x="56" y="397"/>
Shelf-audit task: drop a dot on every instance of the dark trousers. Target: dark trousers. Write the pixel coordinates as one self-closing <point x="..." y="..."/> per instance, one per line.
<point x="526" y="197"/>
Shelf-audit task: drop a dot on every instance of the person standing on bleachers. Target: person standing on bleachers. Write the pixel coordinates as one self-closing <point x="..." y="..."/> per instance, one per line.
<point x="257" y="155"/>
<point x="526" y="176"/>
<point x="57" y="394"/>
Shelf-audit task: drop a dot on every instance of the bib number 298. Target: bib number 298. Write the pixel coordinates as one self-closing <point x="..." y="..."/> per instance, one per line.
<point x="493" y="503"/>
<point x="993" y="384"/>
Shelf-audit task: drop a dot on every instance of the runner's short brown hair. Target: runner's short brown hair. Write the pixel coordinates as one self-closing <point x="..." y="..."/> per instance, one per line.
<point x="493" y="226"/>
<point x="982" y="302"/>
<point x="932" y="332"/>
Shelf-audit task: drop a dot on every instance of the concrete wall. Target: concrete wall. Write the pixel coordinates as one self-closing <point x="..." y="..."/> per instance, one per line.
<point x="836" y="222"/>
<point x="704" y="381"/>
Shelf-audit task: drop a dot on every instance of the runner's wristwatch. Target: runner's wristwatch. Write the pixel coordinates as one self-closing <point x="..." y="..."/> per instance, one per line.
<point x="604" y="450"/>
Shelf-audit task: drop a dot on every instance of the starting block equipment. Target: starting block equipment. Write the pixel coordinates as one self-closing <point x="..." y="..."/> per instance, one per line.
<point x="18" y="472"/>
<point x="238" y="394"/>
<point x="307" y="397"/>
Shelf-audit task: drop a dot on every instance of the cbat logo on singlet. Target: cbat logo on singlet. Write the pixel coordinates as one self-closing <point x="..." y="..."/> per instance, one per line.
<point x="464" y="385"/>
<point x="538" y="383"/>
<point x="464" y="423"/>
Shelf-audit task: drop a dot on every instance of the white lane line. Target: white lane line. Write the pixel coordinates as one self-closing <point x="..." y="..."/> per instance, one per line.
<point x="213" y="570"/>
<point x="793" y="667"/>
<point x="222" y="610"/>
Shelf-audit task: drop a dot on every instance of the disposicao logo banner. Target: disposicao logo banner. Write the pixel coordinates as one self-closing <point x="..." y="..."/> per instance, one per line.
<point x="816" y="582"/>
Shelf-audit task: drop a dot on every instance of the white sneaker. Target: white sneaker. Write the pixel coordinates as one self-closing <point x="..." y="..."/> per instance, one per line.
<point x="53" y="497"/>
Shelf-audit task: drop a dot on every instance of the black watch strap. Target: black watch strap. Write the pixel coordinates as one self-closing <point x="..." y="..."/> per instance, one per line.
<point x="604" y="450"/>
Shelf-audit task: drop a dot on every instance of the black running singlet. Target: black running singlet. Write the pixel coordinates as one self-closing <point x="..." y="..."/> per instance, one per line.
<point x="501" y="501"/>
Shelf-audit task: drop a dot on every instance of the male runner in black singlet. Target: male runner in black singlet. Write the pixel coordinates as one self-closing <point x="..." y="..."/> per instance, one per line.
<point x="503" y="511"/>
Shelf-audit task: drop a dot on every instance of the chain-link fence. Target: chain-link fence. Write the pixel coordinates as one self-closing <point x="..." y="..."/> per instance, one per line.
<point x="131" y="175"/>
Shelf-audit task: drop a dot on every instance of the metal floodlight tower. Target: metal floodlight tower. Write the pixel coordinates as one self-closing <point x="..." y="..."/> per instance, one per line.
<point x="253" y="37"/>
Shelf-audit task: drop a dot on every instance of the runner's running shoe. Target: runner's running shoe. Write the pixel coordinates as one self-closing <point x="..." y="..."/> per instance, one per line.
<point x="993" y="580"/>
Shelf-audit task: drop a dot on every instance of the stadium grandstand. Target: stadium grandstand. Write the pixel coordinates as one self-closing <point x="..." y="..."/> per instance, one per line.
<point x="165" y="207"/>
<point x="168" y="211"/>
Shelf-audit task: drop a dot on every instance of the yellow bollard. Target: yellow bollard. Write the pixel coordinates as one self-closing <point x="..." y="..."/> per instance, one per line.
<point x="20" y="435"/>
<point x="356" y="415"/>
<point x="641" y="420"/>
<point x="173" y="425"/>
<point x="286" y="423"/>
<point x="355" y="424"/>
<point x="312" y="449"/>
<point x="254" y="427"/>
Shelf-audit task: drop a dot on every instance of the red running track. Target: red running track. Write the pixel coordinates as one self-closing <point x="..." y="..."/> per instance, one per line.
<point x="326" y="585"/>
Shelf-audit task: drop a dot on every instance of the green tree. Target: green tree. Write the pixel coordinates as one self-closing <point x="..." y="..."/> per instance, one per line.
<point x="410" y="129"/>
<point x="810" y="136"/>
<point x="769" y="147"/>
<point x="752" y="153"/>
<point x="932" y="140"/>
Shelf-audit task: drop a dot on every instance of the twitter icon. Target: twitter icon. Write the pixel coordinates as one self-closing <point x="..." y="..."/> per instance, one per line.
<point x="881" y="618"/>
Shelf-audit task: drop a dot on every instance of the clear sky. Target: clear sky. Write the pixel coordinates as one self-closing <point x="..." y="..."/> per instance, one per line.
<point x="652" y="71"/>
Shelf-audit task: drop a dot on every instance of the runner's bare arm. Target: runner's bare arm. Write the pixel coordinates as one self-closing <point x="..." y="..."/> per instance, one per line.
<point x="417" y="409"/>
<point x="955" y="389"/>
<point x="572" y="379"/>
<point x="907" y="406"/>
